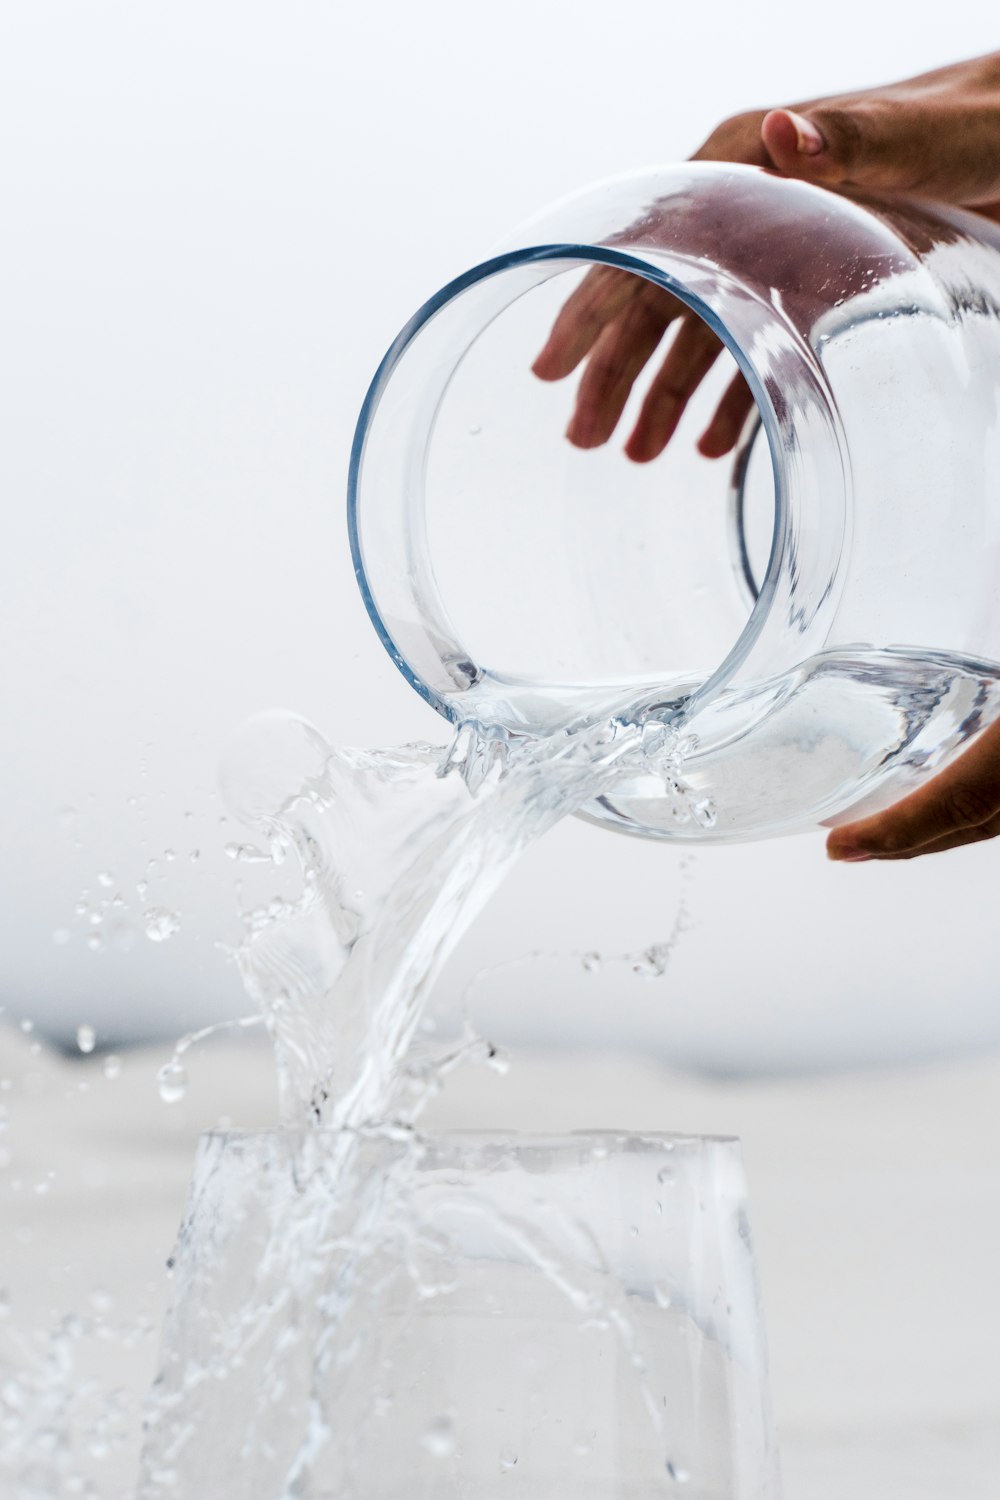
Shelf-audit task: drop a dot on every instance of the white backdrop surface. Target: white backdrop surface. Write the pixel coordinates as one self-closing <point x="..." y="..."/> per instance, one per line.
<point x="217" y="217"/>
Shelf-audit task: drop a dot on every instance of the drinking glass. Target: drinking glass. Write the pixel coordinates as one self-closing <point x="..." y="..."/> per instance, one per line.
<point x="393" y="1317"/>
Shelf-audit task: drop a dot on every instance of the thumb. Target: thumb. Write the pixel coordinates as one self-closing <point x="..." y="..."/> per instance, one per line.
<point x="889" y="146"/>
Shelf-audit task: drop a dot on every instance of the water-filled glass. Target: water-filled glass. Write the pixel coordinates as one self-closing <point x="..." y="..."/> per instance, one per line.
<point x="817" y="619"/>
<point x="392" y="1319"/>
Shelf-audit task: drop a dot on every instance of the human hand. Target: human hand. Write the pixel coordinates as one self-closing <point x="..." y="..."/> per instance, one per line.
<point x="959" y="806"/>
<point x="936" y="136"/>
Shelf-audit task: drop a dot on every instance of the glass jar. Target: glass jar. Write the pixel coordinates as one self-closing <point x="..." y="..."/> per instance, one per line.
<point x="818" y="620"/>
<point x="396" y="1319"/>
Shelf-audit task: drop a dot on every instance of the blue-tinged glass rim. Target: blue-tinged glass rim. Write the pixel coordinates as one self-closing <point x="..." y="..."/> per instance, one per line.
<point x="450" y="708"/>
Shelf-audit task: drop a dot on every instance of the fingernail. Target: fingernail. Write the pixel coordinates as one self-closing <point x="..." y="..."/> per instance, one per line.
<point x="808" y="137"/>
<point x="849" y="856"/>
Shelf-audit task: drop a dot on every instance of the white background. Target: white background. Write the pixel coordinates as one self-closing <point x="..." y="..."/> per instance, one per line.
<point x="216" y="218"/>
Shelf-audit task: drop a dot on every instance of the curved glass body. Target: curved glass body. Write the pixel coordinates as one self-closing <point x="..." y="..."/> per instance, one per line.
<point x="560" y="1314"/>
<point x="821" y="616"/>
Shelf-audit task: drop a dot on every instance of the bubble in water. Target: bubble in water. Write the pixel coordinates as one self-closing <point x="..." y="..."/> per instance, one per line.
<point x="508" y="1458"/>
<point x="172" y="1081"/>
<point x="666" y="1175"/>
<point x="66" y="816"/>
<point x="678" y="1474"/>
<point x="662" y="1294"/>
<point x="161" y="923"/>
<point x="101" y="1301"/>
<point x="591" y="961"/>
<point x="106" y="878"/>
<point x="27" y="1025"/>
<point x="112" y="1066"/>
<point x="95" y="942"/>
<point x="86" y="1037"/>
<point x="61" y="936"/>
<point x="439" y="1437"/>
<point x="582" y="1443"/>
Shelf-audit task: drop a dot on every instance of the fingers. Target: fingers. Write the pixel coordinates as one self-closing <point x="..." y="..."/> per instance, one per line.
<point x="906" y="140"/>
<point x="616" y="359"/>
<point x="689" y="359"/>
<point x="603" y="294"/>
<point x="723" y="431"/>
<point x="959" y="806"/>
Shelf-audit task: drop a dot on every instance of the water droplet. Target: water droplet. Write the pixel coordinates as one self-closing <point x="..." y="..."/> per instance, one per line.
<point x="4" y="1303"/>
<point x="101" y="1301"/>
<point x="591" y="961"/>
<point x="27" y="1026"/>
<point x="678" y="1474"/>
<point x="66" y="816"/>
<point x="112" y="1066"/>
<point x="95" y="942"/>
<point x="704" y="813"/>
<point x="439" y="1437"/>
<point x="61" y="936"/>
<point x="86" y="1037"/>
<point x="106" y="878"/>
<point x="633" y="1230"/>
<point x="169" y="855"/>
<point x="248" y="854"/>
<point x="661" y="1293"/>
<point x="475" y="429"/>
<point x="194" y="856"/>
<point x="161" y="924"/>
<point x="582" y="1443"/>
<point x="172" y="1081"/>
<point x="652" y="964"/>
<point x="508" y="1458"/>
<point x="497" y="1060"/>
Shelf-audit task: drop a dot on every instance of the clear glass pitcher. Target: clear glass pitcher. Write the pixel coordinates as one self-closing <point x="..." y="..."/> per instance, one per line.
<point x="820" y="617"/>
<point x="463" y="1315"/>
